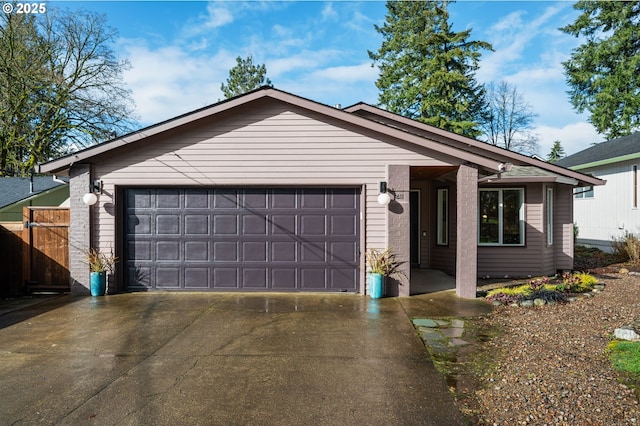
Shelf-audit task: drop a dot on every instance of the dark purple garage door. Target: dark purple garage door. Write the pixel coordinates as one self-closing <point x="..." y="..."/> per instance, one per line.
<point x="281" y="239"/>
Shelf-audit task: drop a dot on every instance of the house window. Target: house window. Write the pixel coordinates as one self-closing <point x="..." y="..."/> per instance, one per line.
<point x="501" y="216"/>
<point x="443" y="217"/>
<point x="550" y="216"/>
<point x="583" y="192"/>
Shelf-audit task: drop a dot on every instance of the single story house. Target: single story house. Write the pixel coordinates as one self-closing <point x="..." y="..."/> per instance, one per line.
<point x="17" y="192"/>
<point x="607" y="212"/>
<point x="269" y="191"/>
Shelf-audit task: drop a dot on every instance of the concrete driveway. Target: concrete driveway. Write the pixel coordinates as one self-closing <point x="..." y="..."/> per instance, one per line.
<point x="228" y="359"/>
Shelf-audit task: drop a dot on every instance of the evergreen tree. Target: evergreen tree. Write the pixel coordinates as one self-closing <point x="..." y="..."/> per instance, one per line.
<point x="557" y="152"/>
<point x="604" y="72"/>
<point x="427" y="71"/>
<point x="245" y="77"/>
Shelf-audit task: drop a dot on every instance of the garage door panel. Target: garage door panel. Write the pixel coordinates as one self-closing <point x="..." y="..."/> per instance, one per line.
<point x="167" y="199"/>
<point x="344" y="225"/>
<point x="167" y="250"/>
<point x="286" y="200"/>
<point x="311" y="225"/>
<point x="284" y="278"/>
<point x="254" y="251"/>
<point x="343" y="199"/>
<point x="234" y="239"/>
<point x="255" y="278"/>
<point x="312" y="252"/>
<point x="196" y="199"/>
<point x="168" y="277"/>
<point x="196" y="278"/>
<point x="340" y="277"/>
<point x="313" y="199"/>
<point x="168" y="224"/>
<point x="196" y="251"/>
<point x="284" y="251"/>
<point x="225" y="199"/>
<point x="139" y="250"/>
<point x="254" y="225"/>
<point x="255" y="199"/>
<point x="139" y="224"/>
<point x="342" y="252"/>
<point x="139" y="198"/>
<point x="225" y="251"/>
<point x="313" y="278"/>
<point x="196" y="224"/>
<point x="225" y="278"/>
<point x="225" y="224"/>
<point x="282" y="224"/>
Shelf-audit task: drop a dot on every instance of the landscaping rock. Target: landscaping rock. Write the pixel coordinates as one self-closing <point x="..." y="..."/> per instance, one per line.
<point x="539" y="302"/>
<point x="623" y="271"/>
<point x="526" y="303"/>
<point x="627" y="333"/>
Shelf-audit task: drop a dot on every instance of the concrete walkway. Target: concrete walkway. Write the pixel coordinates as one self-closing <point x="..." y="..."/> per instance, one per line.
<point x="232" y="359"/>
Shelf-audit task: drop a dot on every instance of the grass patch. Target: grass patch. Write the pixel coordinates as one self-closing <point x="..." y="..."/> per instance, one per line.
<point x="625" y="356"/>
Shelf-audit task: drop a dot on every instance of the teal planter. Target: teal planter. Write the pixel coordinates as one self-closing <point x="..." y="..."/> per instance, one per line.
<point x="98" y="281"/>
<point x="376" y="286"/>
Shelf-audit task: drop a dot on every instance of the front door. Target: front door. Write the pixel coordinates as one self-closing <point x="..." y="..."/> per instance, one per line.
<point x="414" y="224"/>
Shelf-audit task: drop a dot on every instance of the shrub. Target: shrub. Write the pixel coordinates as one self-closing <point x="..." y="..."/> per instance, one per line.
<point x="627" y="247"/>
<point x="549" y="296"/>
<point x="579" y="282"/>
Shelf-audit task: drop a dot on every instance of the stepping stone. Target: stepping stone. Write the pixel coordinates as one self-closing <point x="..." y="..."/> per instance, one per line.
<point x="458" y="342"/>
<point x="452" y="332"/>
<point x="424" y="322"/>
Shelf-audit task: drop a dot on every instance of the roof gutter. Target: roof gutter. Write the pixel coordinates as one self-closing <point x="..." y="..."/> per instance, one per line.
<point x="607" y="161"/>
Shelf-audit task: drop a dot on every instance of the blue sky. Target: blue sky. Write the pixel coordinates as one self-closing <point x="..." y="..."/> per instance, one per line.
<point x="181" y="52"/>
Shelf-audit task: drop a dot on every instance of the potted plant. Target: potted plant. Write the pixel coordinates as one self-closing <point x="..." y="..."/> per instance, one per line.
<point x="381" y="264"/>
<point x="99" y="264"/>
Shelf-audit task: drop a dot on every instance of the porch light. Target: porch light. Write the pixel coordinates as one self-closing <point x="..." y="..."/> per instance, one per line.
<point x="384" y="198"/>
<point x="91" y="197"/>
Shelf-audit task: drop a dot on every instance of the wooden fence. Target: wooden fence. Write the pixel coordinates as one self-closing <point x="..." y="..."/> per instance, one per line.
<point x="34" y="255"/>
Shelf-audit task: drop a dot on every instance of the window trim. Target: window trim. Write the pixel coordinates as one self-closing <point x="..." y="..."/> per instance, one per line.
<point x="580" y="193"/>
<point x="634" y="187"/>
<point x="442" y="217"/>
<point x="521" y="217"/>
<point x="550" y="215"/>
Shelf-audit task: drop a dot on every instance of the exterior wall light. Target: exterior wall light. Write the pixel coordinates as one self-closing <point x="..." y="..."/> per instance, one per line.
<point x="91" y="197"/>
<point x="384" y="198"/>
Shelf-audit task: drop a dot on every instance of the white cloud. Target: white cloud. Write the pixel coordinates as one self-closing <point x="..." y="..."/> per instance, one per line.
<point x="347" y="74"/>
<point x="169" y="81"/>
<point x="217" y="16"/>
<point x="328" y="12"/>
<point x="574" y="137"/>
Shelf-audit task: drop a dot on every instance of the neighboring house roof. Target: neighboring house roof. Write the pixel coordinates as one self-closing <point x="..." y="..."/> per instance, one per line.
<point x="16" y="189"/>
<point x="613" y="151"/>
<point x="489" y="158"/>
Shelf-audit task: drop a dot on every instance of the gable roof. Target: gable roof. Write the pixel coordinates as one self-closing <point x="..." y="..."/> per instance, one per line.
<point x="613" y="151"/>
<point x="15" y="189"/>
<point x="488" y="158"/>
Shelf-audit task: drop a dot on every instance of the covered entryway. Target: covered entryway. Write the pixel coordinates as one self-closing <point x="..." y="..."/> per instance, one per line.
<point x="225" y="239"/>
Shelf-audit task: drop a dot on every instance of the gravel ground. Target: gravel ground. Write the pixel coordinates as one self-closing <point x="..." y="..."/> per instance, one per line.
<point x="551" y="366"/>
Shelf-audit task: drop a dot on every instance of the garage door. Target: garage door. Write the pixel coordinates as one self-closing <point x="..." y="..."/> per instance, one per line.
<point x="298" y="239"/>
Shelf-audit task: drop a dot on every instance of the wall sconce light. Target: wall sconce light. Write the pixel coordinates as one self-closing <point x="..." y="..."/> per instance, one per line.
<point x="505" y="167"/>
<point x="384" y="198"/>
<point x="91" y="197"/>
